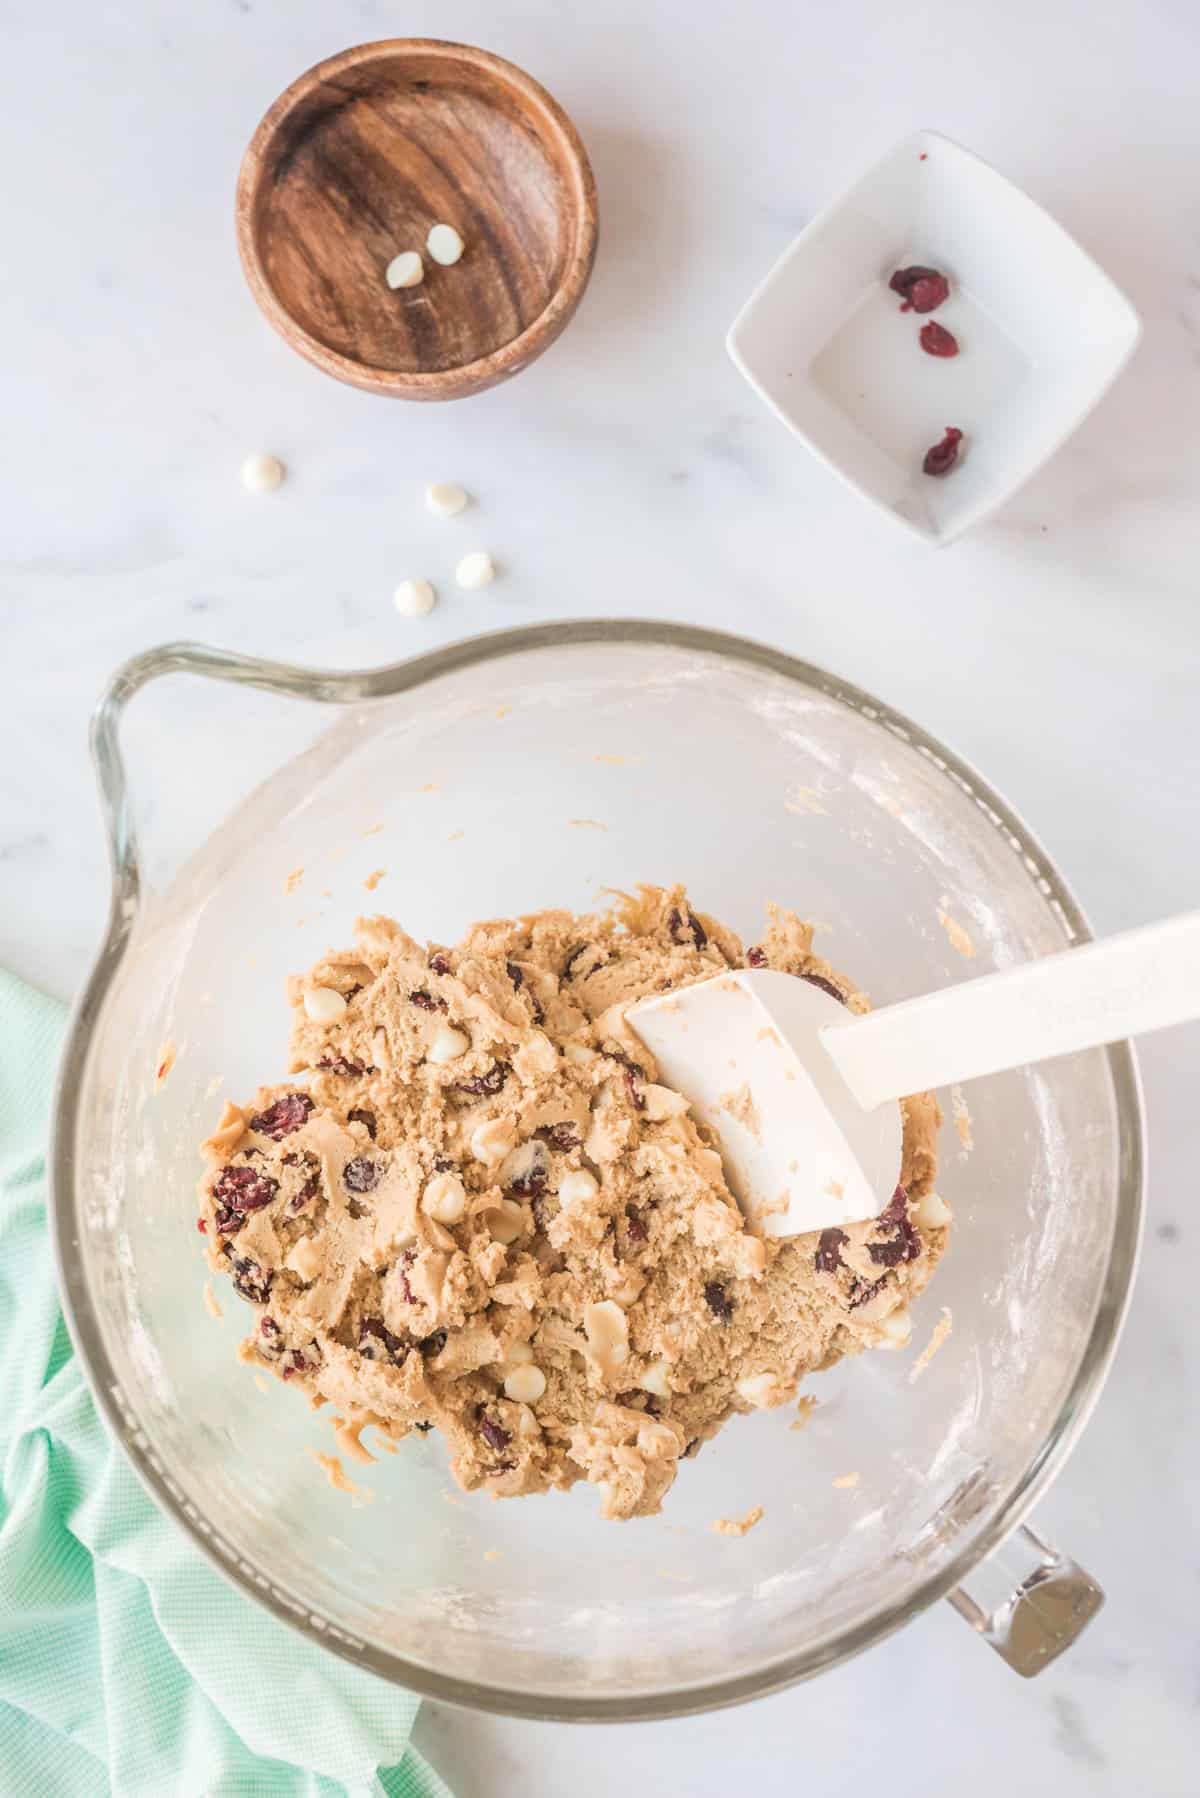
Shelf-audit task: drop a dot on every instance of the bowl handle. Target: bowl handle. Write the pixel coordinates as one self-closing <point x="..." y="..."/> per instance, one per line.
<point x="1028" y="1601"/>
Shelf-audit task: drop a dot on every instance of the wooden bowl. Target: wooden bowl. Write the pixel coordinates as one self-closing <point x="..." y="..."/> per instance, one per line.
<point x="358" y="159"/>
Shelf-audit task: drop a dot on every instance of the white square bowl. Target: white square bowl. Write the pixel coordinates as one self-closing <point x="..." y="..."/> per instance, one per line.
<point x="1042" y="332"/>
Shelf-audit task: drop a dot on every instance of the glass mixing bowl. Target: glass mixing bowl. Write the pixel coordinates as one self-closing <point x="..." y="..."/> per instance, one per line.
<point x="528" y="769"/>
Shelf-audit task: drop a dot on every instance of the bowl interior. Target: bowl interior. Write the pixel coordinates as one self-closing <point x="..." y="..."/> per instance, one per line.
<point x="538" y="779"/>
<point x="363" y="155"/>
<point x="1042" y="332"/>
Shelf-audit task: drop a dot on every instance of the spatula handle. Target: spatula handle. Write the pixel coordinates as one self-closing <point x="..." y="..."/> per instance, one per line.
<point x="1141" y="980"/>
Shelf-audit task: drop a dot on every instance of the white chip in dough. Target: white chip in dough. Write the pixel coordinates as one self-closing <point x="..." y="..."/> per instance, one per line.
<point x="475" y="570"/>
<point x="444" y="244"/>
<point x="448" y="1045"/>
<point x="525" y="1384"/>
<point x="577" y="1186"/>
<point x="405" y="270"/>
<point x="446" y="498"/>
<point x="261" y="473"/>
<point x="322" y="1004"/>
<point x="413" y="599"/>
<point x="445" y="1199"/>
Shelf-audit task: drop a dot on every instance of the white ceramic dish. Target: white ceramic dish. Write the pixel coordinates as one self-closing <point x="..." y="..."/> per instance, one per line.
<point x="1042" y="330"/>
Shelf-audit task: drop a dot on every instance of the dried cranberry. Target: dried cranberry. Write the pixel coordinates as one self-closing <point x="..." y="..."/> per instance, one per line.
<point x="285" y="1115"/>
<point x="718" y="1301"/>
<point x="438" y="964"/>
<point x="309" y="1190"/>
<point x="486" y="1086"/>
<point x="359" y="1116"/>
<point x="202" y="1226"/>
<point x="756" y="958"/>
<point x="442" y="1164"/>
<point x="905" y="1244"/>
<point x="942" y="457"/>
<point x="828" y="1257"/>
<point x="295" y="1363"/>
<point x="426" y="1001"/>
<point x="514" y="974"/>
<point x="243" y="1190"/>
<point x="863" y="1291"/>
<point x="267" y="1325"/>
<point x="539" y="1016"/>
<point x="249" y="1280"/>
<point x="635" y="1228"/>
<point x="228" y="1221"/>
<point x="375" y="1341"/>
<point x="573" y="957"/>
<point x="935" y="340"/>
<point x="403" y="1264"/>
<point x="532" y="1183"/>
<point x="561" y="1137"/>
<point x="493" y="1433"/>
<point x="922" y="289"/>
<point x="338" y="1064"/>
<point x="678" y="926"/>
<point x="634" y="1071"/>
<point x="826" y="986"/>
<point x="433" y="1345"/>
<point x="362" y="1174"/>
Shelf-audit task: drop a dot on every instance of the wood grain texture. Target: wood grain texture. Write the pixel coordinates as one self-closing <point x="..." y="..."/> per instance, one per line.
<point x="358" y="159"/>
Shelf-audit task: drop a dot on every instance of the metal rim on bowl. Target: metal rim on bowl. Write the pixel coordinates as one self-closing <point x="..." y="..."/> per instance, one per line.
<point x="484" y="371"/>
<point x="353" y="687"/>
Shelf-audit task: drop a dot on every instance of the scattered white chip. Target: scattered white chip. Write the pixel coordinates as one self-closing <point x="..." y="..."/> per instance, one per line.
<point x="405" y="270"/>
<point x="475" y="570"/>
<point x="447" y="1045"/>
<point x="525" y="1385"/>
<point x="444" y="244"/>
<point x="446" y="498"/>
<point x="261" y="474"/>
<point x="413" y="599"/>
<point x="323" y="1004"/>
<point x="577" y="1187"/>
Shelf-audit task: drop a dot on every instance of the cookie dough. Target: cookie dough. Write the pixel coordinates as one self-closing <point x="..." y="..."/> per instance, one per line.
<point x="481" y="1212"/>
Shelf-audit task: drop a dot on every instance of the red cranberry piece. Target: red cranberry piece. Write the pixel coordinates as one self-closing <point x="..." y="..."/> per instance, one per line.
<point x="202" y="1226"/>
<point x="285" y="1115"/>
<point x="249" y="1280"/>
<point x="756" y="958"/>
<point x="338" y="1064"/>
<point x="243" y="1190"/>
<point x="438" y="964"/>
<point x="532" y="1183"/>
<point x="634" y="1071"/>
<point x="442" y="1164"/>
<point x="294" y="1363"/>
<point x="494" y="1434"/>
<point x="905" y="1244"/>
<point x="935" y="340"/>
<point x="636" y="1229"/>
<point x="486" y="1086"/>
<point x="863" y="1291"/>
<point x="942" y="457"/>
<point x="377" y="1343"/>
<point x="359" y="1116"/>
<point x="680" y="928"/>
<point x="922" y="289"/>
<point x="426" y="1001"/>
<point x="828" y="1257"/>
<point x="267" y="1325"/>
<point x="562" y="1137"/>
<point x="228" y="1221"/>
<point x="362" y="1174"/>
<point x="826" y="986"/>
<point x="515" y="974"/>
<point x="403" y="1264"/>
<point x="718" y="1301"/>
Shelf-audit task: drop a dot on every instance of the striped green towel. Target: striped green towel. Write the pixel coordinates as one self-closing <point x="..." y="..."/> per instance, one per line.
<point x="128" y="1666"/>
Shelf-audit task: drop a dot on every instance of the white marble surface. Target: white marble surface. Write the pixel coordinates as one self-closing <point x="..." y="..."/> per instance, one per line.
<point x="631" y="472"/>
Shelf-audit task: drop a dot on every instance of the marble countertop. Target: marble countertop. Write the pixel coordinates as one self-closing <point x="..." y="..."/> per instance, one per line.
<point x="633" y="473"/>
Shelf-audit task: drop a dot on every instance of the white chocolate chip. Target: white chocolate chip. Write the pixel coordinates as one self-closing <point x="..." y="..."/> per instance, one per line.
<point x="413" y="599"/>
<point x="897" y="1327"/>
<point x="608" y="1337"/>
<point x="762" y="1390"/>
<point x="505" y="1221"/>
<point x="444" y="245"/>
<point x="933" y="1213"/>
<point x="578" y="1054"/>
<point x="525" y="1385"/>
<point x="322" y="1004"/>
<point x="262" y="474"/>
<point x="444" y="1199"/>
<point x="405" y="270"/>
<point x="577" y="1186"/>
<point x="446" y="498"/>
<point x="520" y="1354"/>
<point x="491" y="1141"/>
<point x="447" y="1045"/>
<point x="475" y="570"/>
<point x="656" y="1379"/>
<point x="660" y="1102"/>
<point x="747" y="1257"/>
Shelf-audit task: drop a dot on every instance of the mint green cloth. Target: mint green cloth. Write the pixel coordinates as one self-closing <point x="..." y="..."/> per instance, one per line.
<point x="128" y="1665"/>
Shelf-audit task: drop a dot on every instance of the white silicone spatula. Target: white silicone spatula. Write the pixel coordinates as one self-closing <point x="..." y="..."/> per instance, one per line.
<point x="805" y="1098"/>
